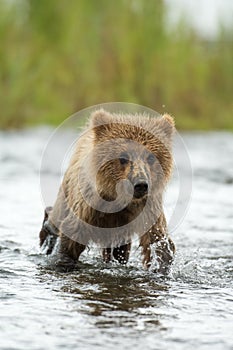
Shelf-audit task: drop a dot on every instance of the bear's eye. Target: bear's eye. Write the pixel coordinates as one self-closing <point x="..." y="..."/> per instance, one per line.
<point x="151" y="159"/>
<point x="124" y="158"/>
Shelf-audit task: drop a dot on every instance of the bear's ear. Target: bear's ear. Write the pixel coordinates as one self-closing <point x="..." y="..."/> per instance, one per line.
<point x="100" y="123"/>
<point x="165" y="126"/>
<point x="100" y="117"/>
<point x="168" y="125"/>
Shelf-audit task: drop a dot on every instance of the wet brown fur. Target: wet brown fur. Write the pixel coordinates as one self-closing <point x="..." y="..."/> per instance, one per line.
<point x="155" y="135"/>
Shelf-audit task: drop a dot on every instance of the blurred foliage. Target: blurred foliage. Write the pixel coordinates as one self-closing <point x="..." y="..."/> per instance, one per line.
<point x="57" y="57"/>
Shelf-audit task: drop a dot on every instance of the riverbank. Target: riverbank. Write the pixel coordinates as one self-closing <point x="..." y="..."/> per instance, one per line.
<point x="51" y="67"/>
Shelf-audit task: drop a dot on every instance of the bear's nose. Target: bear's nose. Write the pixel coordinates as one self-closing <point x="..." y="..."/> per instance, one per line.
<point x="140" y="188"/>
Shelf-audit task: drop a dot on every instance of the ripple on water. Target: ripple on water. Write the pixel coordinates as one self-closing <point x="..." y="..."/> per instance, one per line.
<point x="110" y="306"/>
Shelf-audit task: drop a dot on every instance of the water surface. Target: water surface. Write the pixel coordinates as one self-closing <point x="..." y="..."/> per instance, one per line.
<point x="110" y="306"/>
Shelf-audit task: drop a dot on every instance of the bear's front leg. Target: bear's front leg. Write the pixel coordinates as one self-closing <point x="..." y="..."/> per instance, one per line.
<point x="165" y="251"/>
<point x="121" y="254"/>
<point x="68" y="254"/>
<point x="69" y="249"/>
<point x="163" y="246"/>
<point x="48" y="234"/>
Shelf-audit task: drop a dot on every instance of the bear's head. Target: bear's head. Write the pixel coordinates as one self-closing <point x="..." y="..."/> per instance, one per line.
<point x="131" y="157"/>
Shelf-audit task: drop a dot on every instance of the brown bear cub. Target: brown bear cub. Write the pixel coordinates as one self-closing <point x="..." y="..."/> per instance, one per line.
<point x="113" y="189"/>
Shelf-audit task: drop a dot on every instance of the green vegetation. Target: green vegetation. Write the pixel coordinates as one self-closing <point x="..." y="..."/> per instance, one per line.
<point x="57" y="57"/>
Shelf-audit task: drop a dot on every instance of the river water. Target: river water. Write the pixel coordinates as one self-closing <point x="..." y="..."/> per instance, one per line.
<point x="109" y="306"/>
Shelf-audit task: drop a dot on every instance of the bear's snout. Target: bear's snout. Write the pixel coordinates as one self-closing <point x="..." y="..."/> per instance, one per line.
<point x="140" y="188"/>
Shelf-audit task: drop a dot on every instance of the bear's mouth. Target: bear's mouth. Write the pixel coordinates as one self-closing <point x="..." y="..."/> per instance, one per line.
<point x="138" y="196"/>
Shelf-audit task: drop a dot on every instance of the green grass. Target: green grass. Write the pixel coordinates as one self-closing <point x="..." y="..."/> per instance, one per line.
<point x="57" y="57"/>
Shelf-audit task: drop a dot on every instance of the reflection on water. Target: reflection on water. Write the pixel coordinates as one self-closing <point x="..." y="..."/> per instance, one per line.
<point x="111" y="306"/>
<point x="115" y="296"/>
